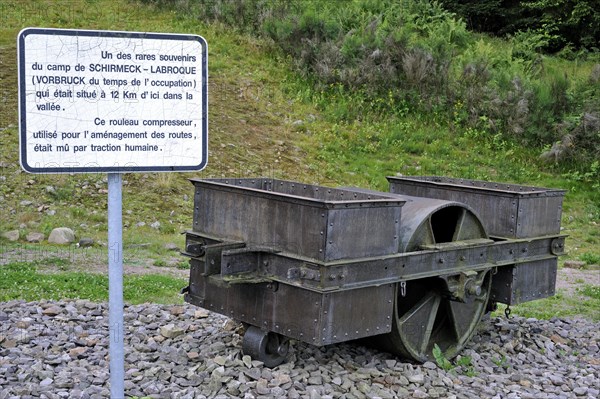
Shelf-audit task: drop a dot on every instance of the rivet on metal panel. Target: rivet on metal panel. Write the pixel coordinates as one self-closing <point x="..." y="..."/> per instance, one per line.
<point x="345" y="334"/>
<point x="321" y="232"/>
<point x="332" y="277"/>
<point x="335" y="337"/>
<point x="322" y="215"/>
<point x="377" y="328"/>
<point x="524" y="250"/>
<point x="315" y="321"/>
<point x="512" y="252"/>
<point x="441" y="260"/>
<point x="462" y="258"/>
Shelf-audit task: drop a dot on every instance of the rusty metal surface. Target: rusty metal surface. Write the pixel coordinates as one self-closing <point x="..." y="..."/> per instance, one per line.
<point x="428" y="221"/>
<point x="326" y="265"/>
<point x="322" y="223"/>
<point x="449" y="258"/>
<point x="507" y="210"/>
<point x="525" y="282"/>
<point x="306" y="315"/>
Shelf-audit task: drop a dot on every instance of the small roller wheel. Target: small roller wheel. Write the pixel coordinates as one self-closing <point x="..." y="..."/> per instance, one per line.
<point x="268" y="347"/>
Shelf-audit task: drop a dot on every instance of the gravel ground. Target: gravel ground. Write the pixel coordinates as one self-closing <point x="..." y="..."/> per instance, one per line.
<point x="59" y="350"/>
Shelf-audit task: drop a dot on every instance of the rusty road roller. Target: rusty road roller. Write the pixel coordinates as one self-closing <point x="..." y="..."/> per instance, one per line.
<point x="407" y="269"/>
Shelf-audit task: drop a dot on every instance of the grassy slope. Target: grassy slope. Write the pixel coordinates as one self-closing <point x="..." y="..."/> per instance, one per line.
<point x="255" y="102"/>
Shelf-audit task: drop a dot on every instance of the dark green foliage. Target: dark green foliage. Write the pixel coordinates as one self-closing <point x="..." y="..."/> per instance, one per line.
<point x="567" y="23"/>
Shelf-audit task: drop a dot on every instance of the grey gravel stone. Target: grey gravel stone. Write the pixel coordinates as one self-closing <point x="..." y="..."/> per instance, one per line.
<point x="60" y="350"/>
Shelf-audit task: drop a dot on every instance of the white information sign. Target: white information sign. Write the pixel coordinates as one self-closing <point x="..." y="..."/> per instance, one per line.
<point x="104" y="101"/>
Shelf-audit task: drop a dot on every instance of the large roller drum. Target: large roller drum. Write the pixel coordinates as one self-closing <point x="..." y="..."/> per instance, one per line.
<point x="427" y="311"/>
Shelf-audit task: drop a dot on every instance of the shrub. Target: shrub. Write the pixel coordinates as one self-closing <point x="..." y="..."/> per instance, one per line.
<point x="377" y="56"/>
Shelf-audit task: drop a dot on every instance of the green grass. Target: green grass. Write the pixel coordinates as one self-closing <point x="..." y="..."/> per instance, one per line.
<point x="24" y="281"/>
<point x="586" y="304"/>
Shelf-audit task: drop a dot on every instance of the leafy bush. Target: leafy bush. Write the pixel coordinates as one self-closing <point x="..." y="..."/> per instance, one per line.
<point x="375" y="57"/>
<point x="568" y="24"/>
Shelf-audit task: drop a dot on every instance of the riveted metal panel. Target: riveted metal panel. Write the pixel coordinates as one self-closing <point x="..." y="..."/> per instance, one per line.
<point x="506" y="210"/>
<point x="524" y="282"/>
<point x="362" y="232"/>
<point x="309" y="316"/>
<point x="311" y="221"/>
<point x="360" y="313"/>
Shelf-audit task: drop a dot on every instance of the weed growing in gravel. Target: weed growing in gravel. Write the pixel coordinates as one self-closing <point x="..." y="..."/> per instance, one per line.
<point x="462" y="363"/>
<point x="501" y="362"/>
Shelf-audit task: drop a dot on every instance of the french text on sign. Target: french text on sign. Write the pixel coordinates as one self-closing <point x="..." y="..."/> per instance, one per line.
<point x="117" y="101"/>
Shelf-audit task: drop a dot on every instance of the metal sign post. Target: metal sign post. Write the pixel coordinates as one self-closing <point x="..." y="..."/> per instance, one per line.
<point x="113" y="102"/>
<point x="116" y="328"/>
